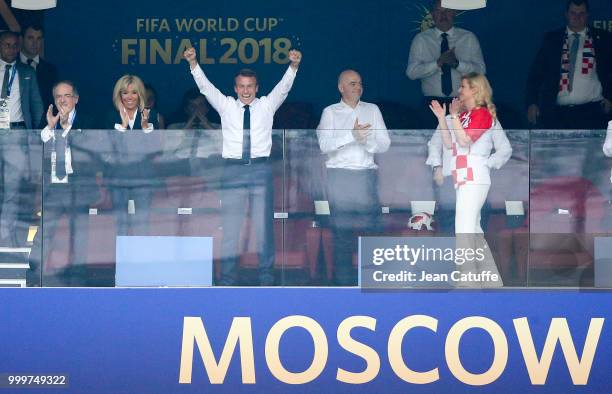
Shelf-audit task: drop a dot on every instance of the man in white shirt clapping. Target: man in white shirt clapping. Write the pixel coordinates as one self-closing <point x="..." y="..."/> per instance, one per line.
<point x="350" y="133"/>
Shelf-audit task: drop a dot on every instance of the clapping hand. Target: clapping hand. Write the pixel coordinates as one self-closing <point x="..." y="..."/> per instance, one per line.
<point x="455" y="107"/>
<point x="144" y="118"/>
<point x="64" y="117"/>
<point x="52" y="119"/>
<point x="438" y="110"/>
<point x="361" y="132"/>
<point x="449" y="58"/>
<point x="125" y="118"/>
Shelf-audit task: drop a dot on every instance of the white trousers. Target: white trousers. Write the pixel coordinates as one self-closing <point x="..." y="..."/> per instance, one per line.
<point x="470" y="199"/>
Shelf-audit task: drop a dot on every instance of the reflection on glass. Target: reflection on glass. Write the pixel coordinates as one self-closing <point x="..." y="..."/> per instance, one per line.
<point x="544" y="211"/>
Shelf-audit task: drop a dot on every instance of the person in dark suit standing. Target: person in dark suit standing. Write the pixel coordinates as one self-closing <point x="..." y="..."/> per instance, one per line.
<point x="570" y="81"/>
<point x="134" y="146"/>
<point x="69" y="171"/>
<point x="20" y="108"/>
<point x="46" y="73"/>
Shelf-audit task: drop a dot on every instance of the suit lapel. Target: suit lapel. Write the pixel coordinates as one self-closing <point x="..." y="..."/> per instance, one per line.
<point x="22" y="81"/>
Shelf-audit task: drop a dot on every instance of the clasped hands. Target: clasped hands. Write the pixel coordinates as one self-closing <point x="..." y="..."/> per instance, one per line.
<point x="125" y="118"/>
<point x="62" y="116"/>
<point x="361" y="132"/>
<point x="439" y="110"/>
<point x="449" y="58"/>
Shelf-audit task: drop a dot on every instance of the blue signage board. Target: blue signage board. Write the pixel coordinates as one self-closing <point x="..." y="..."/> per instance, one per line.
<point x="307" y="340"/>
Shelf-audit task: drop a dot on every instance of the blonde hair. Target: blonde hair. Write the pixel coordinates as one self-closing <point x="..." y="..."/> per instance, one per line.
<point x="122" y="85"/>
<point x="483" y="94"/>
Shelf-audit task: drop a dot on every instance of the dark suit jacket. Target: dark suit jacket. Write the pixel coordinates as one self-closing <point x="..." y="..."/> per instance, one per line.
<point x="46" y="76"/>
<point x="86" y="160"/>
<point x="31" y="103"/>
<point x="545" y="72"/>
<point x="133" y="152"/>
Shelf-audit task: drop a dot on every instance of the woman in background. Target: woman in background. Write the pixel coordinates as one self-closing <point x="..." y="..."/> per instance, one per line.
<point x="151" y="104"/>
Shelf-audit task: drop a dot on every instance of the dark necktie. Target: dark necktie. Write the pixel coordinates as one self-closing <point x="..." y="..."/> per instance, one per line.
<point x="30" y="61"/>
<point x="572" y="59"/>
<point x="447" y="79"/>
<point x="60" y="154"/>
<point x="5" y="81"/>
<point x="246" y="134"/>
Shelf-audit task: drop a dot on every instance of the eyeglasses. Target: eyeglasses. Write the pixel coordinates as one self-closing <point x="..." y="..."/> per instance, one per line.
<point x="66" y="96"/>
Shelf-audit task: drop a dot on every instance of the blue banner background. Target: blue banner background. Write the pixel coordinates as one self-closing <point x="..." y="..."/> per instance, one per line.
<point x="129" y="340"/>
<point x="83" y="39"/>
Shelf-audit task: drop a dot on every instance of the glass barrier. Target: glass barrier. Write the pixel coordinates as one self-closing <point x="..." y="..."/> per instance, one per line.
<point x="165" y="209"/>
<point x="569" y="207"/>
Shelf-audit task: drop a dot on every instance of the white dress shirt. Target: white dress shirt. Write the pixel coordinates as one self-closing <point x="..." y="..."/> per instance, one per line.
<point x="47" y="134"/>
<point x="586" y="88"/>
<point x="424" y="54"/>
<point x="14" y="100"/>
<point x="495" y="137"/>
<point x="35" y="60"/>
<point x="335" y="134"/>
<point x="231" y="111"/>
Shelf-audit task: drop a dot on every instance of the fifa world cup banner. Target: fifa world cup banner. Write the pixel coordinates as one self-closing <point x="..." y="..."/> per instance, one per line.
<point x="305" y="340"/>
<point x="94" y="43"/>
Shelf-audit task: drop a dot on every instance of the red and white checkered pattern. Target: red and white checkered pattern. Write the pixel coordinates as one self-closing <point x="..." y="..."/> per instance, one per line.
<point x="587" y="63"/>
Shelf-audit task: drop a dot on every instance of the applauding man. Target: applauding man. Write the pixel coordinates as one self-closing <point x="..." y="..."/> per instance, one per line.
<point x="69" y="182"/>
<point x="247" y="176"/>
<point x="350" y="133"/>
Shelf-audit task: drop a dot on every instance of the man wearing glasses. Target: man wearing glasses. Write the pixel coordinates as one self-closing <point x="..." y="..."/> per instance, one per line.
<point x="69" y="168"/>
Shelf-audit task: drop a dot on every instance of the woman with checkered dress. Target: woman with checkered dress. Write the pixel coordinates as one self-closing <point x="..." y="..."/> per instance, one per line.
<point x="471" y="132"/>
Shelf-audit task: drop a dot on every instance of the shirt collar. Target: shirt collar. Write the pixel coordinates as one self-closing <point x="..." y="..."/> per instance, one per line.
<point x="346" y="106"/>
<point x="3" y="64"/>
<point x="253" y="103"/>
<point x="24" y="58"/>
<point x="570" y="32"/>
<point x="448" y="33"/>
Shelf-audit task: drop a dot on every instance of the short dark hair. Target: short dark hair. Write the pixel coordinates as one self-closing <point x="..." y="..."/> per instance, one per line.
<point x="33" y="26"/>
<point x="75" y="91"/>
<point x="6" y="34"/>
<point x="577" y="3"/>
<point x="246" y="72"/>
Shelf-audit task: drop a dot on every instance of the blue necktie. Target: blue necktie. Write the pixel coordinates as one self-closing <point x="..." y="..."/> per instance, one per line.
<point x="5" y="82"/>
<point x="246" y="134"/>
<point x="447" y="79"/>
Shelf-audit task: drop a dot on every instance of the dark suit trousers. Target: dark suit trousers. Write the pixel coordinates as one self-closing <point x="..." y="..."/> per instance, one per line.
<point x="14" y="168"/>
<point x="241" y="184"/>
<point x="60" y="200"/>
<point x="355" y="210"/>
<point x="589" y="116"/>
